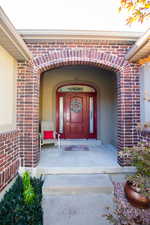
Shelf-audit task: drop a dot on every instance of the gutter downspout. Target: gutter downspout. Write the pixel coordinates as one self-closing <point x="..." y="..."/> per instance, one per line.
<point x="138" y="45"/>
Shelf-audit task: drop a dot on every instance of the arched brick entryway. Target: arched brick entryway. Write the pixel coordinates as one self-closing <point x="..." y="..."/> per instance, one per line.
<point x="128" y="106"/>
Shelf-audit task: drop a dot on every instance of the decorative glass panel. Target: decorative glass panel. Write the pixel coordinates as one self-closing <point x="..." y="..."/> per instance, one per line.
<point x="76" y="105"/>
<point x="91" y="116"/>
<point x="76" y="88"/>
<point x="61" y="114"/>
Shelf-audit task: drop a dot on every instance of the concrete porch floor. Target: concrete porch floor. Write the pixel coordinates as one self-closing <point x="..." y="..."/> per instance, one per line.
<point x="99" y="159"/>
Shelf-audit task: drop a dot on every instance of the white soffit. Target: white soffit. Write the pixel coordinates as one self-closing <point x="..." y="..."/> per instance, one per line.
<point x="140" y="49"/>
<point x="78" y="34"/>
<point x="11" y="40"/>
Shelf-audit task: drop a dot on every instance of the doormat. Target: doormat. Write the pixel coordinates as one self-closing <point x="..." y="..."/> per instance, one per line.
<point x="76" y="148"/>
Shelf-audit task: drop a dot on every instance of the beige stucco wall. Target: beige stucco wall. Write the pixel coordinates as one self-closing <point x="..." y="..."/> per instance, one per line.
<point x="102" y="80"/>
<point x="7" y="91"/>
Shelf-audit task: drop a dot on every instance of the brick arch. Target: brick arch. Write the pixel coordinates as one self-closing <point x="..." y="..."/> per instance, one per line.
<point x="28" y="89"/>
<point x="83" y="56"/>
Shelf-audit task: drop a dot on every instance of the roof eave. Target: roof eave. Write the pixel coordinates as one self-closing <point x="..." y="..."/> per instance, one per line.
<point x="10" y="39"/>
<point x="78" y="34"/>
<point x="140" y="43"/>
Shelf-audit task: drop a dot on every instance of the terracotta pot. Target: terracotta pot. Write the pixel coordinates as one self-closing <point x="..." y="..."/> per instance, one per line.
<point x="135" y="198"/>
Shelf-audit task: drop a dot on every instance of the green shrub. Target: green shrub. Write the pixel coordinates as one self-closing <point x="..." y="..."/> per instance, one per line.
<point x="14" y="210"/>
<point x="26" y="180"/>
<point x="28" y="190"/>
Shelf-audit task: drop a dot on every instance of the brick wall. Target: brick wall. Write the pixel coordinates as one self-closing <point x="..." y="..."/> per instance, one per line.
<point x="28" y="114"/>
<point x="43" y="47"/>
<point x="51" y="54"/>
<point x="9" y="157"/>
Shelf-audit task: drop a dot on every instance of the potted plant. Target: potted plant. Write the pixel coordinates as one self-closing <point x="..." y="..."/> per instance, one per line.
<point x="137" y="187"/>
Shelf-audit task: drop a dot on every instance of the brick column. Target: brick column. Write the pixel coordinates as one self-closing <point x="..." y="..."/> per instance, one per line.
<point x="28" y="113"/>
<point x="128" y="108"/>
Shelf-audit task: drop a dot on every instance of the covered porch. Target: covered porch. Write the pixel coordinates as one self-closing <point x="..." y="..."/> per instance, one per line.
<point x="80" y="102"/>
<point x="113" y="80"/>
<point x="89" y="156"/>
<point x="88" y="129"/>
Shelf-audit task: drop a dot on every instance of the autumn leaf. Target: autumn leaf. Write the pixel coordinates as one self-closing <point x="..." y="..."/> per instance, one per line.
<point x="147" y="6"/>
<point x="139" y="10"/>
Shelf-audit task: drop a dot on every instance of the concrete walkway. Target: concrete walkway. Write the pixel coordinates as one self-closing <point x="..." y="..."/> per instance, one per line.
<point x="98" y="159"/>
<point x="102" y="155"/>
<point x="76" y="191"/>
<point x="77" y="199"/>
<point x="76" y="210"/>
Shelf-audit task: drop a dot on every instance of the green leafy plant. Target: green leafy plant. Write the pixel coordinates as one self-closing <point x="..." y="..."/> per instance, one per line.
<point x="14" y="210"/>
<point x="26" y="180"/>
<point x="140" y="158"/>
<point x="29" y="195"/>
<point x="28" y="192"/>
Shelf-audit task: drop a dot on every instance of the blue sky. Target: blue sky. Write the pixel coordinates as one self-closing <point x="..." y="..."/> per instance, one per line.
<point x="68" y="14"/>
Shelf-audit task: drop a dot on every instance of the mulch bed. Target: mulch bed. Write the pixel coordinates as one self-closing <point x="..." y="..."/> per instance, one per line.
<point x="127" y="209"/>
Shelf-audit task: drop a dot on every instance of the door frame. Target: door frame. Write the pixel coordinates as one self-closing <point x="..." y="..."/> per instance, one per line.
<point x="94" y="94"/>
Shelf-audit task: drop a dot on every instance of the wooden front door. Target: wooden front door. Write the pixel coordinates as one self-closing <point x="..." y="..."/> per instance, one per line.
<point x="74" y="115"/>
